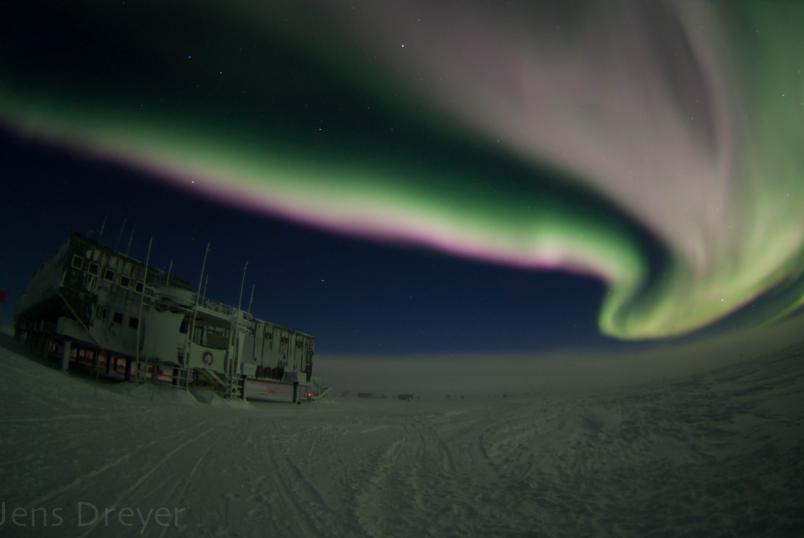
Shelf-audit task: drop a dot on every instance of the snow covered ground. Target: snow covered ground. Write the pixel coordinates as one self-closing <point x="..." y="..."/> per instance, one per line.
<point x="714" y="454"/>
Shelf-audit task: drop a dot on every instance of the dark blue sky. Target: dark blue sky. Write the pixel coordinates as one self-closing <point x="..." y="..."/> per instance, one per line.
<point x="354" y="296"/>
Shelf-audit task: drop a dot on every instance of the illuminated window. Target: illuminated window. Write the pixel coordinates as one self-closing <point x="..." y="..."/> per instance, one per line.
<point x="78" y="262"/>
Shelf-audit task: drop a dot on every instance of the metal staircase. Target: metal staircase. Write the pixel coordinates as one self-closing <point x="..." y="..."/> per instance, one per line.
<point x="230" y="387"/>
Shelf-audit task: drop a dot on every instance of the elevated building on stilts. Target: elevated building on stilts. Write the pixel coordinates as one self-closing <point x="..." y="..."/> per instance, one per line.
<point x="92" y="308"/>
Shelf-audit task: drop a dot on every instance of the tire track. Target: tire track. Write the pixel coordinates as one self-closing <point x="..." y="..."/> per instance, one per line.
<point x="98" y="471"/>
<point x="367" y="502"/>
<point x="288" y="497"/>
<point x="128" y="491"/>
<point x="188" y="482"/>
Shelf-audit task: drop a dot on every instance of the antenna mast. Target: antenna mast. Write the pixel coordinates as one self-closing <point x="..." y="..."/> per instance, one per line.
<point x="189" y="339"/>
<point x="251" y="299"/>
<point x="103" y="227"/>
<point x="242" y="284"/>
<point x="130" y="239"/>
<point x="139" y="315"/>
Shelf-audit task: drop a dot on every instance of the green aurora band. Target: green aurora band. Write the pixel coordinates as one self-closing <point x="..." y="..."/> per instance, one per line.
<point x="289" y="109"/>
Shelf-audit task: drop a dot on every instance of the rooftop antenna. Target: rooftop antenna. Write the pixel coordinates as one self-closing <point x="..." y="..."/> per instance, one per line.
<point x="204" y="264"/>
<point x="140" y="378"/>
<point x="120" y="235"/>
<point x="170" y="269"/>
<point x="242" y="284"/>
<point x="189" y="338"/>
<point x="251" y="299"/>
<point x="235" y="341"/>
<point x="130" y="239"/>
<point x="206" y="283"/>
<point x="103" y="227"/>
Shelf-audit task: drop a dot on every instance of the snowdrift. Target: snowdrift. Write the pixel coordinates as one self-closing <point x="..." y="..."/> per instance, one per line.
<point x="714" y="454"/>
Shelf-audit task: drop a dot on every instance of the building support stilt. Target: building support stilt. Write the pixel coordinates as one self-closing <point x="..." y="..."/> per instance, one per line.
<point x="65" y="355"/>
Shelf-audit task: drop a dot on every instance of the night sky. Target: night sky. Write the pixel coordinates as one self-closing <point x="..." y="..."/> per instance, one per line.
<point x="422" y="177"/>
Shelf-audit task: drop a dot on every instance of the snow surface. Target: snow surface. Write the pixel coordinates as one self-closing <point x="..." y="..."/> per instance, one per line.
<point x="715" y="454"/>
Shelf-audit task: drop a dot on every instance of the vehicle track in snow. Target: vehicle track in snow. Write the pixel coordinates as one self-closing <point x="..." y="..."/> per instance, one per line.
<point x="144" y="477"/>
<point x="636" y="461"/>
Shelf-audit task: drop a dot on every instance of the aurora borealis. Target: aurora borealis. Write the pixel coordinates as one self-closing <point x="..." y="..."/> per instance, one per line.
<point x="658" y="146"/>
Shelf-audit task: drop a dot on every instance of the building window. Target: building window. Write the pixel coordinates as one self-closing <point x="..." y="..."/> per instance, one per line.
<point x="117" y="318"/>
<point x="93" y="268"/>
<point x="139" y="286"/>
<point x="90" y="281"/>
<point x="78" y="262"/>
<point x="125" y="281"/>
<point x="133" y="322"/>
<point x="108" y="275"/>
<point x="101" y="312"/>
